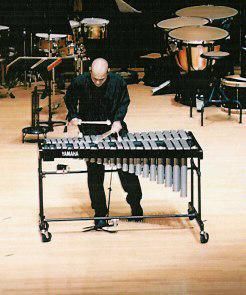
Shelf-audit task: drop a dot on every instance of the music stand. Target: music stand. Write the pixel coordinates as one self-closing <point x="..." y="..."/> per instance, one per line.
<point x="22" y="64"/>
<point x="47" y="66"/>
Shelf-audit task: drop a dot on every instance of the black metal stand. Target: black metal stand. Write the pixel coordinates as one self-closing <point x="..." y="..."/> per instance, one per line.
<point x="35" y="128"/>
<point x="108" y="226"/>
<point x="193" y="213"/>
<point x="217" y="90"/>
<point x="51" y="124"/>
<point x="224" y="100"/>
<point x="217" y="94"/>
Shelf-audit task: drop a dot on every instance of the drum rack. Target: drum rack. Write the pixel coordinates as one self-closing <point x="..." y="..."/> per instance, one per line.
<point x="192" y="212"/>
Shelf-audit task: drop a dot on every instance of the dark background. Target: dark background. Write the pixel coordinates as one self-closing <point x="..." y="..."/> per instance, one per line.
<point x="129" y="35"/>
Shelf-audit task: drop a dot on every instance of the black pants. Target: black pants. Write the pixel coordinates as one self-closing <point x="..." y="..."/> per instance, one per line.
<point x="129" y="182"/>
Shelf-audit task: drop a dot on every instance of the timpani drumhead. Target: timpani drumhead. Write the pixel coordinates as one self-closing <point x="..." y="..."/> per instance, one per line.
<point x="198" y="35"/>
<point x="178" y="22"/>
<point x="51" y="36"/>
<point x="208" y="11"/>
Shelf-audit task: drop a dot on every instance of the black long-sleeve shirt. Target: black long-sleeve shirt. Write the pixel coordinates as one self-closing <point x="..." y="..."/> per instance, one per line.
<point x="88" y="102"/>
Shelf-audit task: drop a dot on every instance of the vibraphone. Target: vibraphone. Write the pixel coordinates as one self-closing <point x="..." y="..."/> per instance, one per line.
<point x="161" y="156"/>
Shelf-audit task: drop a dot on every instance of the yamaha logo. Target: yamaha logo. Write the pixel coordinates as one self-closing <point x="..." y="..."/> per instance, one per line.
<point x="70" y="154"/>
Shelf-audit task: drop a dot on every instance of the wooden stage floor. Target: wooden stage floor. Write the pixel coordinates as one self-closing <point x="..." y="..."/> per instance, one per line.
<point x="158" y="256"/>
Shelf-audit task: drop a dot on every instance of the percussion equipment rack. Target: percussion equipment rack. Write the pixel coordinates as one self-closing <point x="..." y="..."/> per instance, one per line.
<point x="179" y="145"/>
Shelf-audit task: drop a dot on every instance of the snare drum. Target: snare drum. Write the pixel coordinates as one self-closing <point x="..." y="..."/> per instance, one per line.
<point x="94" y="28"/>
<point x="192" y="42"/>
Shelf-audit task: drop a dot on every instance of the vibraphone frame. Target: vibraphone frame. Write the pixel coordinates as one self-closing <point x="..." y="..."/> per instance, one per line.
<point x="192" y="213"/>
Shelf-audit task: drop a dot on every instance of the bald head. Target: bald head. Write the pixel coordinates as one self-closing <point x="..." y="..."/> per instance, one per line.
<point x="99" y="66"/>
<point x="99" y="71"/>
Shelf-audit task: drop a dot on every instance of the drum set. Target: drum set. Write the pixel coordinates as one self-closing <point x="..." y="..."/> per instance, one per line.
<point x="73" y="44"/>
<point x="60" y="45"/>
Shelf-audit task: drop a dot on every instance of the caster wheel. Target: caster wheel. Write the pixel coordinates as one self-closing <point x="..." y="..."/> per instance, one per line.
<point x="44" y="226"/>
<point x="190" y="211"/>
<point x="46" y="237"/>
<point x="204" y="237"/>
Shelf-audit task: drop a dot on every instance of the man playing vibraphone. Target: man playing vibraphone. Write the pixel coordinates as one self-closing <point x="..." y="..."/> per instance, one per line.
<point x="100" y="96"/>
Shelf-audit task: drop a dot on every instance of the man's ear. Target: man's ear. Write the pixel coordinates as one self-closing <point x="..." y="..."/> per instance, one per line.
<point x="108" y="70"/>
<point x="89" y="69"/>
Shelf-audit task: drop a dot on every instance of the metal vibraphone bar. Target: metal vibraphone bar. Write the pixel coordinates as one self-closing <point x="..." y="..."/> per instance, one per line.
<point x="161" y="156"/>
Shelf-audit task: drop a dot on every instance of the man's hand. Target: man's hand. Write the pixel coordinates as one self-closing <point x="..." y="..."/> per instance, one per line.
<point x="74" y="122"/>
<point x="116" y="127"/>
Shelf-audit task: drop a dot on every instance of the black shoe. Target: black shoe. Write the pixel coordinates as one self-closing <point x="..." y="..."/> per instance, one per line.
<point x="137" y="210"/>
<point x="100" y="223"/>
